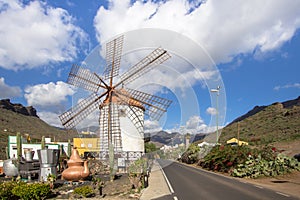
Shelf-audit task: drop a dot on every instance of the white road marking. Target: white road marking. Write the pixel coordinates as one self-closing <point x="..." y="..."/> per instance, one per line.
<point x="168" y="182"/>
<point x="175" y="198"/>
<point x="286" y="195"/>
<point x="258" y="186"/>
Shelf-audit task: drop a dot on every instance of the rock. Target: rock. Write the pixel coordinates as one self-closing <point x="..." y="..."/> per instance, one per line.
<point x="31" y="111"/>
<point x="18" y="108"/>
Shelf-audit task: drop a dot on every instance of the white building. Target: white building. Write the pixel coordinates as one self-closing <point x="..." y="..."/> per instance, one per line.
<point x="127" y="129"/>
<point x="12" y="146"/>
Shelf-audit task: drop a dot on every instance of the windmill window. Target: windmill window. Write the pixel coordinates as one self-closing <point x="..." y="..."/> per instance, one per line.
<point x="122" y="113"/>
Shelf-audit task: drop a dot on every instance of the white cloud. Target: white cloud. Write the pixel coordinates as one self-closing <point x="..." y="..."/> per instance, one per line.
<point x="193" y="122"/>
<point x="48" y="96"/>
<point x="194" y="125"/>
<point x="50" y="118"/>
<point x="224" y="28"/>
<point x="36" y="34"/>
<point x="152" y="126"/>
<point x="8" y="91"/>
<point x="295" y="85"/>
<point x="211" y="111"/>
<point x="91" y="120"/>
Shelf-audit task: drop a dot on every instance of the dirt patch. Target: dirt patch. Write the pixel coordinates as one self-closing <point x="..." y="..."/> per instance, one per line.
<point x="287" y="184"/>
<point x="120" y="188"/>
<point x="289" y="148"/>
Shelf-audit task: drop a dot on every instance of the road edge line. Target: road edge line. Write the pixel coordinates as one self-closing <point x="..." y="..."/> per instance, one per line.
<point x="167" y="180"/>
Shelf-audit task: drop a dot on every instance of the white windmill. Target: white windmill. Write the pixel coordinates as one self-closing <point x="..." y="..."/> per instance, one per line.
<point x="121" y="109"/>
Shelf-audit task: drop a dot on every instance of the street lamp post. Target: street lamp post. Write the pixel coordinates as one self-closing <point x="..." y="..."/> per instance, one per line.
<point x="217" y="110"/>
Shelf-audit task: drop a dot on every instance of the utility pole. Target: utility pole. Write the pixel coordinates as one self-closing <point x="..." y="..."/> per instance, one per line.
<point x="217" y="91"/>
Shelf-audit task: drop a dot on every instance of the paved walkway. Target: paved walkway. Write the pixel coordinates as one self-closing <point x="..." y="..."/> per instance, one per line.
<point x="157" y="184"/>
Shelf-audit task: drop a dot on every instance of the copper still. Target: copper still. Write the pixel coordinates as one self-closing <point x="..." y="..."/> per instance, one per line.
<point x="77" y="168"/>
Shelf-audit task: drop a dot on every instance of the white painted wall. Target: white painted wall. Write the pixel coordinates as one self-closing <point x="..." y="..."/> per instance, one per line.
<point x="132" y="140"/>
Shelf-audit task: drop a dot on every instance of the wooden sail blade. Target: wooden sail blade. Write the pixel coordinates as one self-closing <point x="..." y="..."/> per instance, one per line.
<point x="154" y="106"/>
<point x="132" y="114"/>
<point x="84" y="78"/>
<point x="113" y="57"/>
<point x="76" y="114"/>
<point x="110" y="130"/>
<point x="155" y="58"/>
<point x="132" y="110"/>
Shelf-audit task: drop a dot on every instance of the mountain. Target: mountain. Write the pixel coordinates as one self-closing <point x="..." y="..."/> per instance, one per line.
<point x="166" y="138"/>
<point x="198" y="137"/>
<point x="17" y="118"/>
<point x="267" y="124"/>
<point x="256" y="109"/>
<point x="18" y="108"/>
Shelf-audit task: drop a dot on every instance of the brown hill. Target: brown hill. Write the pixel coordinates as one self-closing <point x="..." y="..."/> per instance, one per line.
<point x="279" y="122"/>
<point x="12" y="122"/>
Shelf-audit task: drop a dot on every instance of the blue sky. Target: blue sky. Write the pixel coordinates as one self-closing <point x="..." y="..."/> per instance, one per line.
<point x="252" y="45"/>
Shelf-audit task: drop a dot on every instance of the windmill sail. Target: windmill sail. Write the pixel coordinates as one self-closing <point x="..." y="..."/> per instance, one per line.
<point x="110" y="131"/>
<point x="154" y="106"/>
<point x="155" y="58"/>
<point x="80" y="111"/>
<point x="83" y="78"/>
<point x="113" y="57"/>
<point x="133" y="109"/>
<point x="131" y="113"/>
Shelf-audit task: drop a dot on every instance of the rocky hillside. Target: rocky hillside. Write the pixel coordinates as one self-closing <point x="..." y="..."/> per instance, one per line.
<point x="267" y="124"/>
<point x="17" y="118"/>
<point x="164" y="138"/>
<point x="18" y="108"/>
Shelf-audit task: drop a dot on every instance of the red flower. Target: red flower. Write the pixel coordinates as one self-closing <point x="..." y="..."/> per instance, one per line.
<point x="229" y="164"/>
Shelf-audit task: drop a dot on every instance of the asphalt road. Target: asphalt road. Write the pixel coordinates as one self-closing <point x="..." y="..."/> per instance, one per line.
<point x="189" y="183"/>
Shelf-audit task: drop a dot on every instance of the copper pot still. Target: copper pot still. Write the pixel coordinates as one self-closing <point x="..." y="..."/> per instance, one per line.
<point x="77" y="168"/>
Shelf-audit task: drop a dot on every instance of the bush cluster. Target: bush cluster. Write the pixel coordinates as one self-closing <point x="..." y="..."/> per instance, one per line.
<point x="6" y="190"/>
<point x="242" y="161"/>
<point x="84" y="191"/>
<point x="225" y="158"/>
<point x="256" y="167"/>
<point x="190" y="156"/>
<point x="25" y="191"/>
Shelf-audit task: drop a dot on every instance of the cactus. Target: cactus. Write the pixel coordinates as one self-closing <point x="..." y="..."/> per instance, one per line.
<point x="61" y="150"/>
<point x="43" y="142"/>
<point x="6" y="152"/>
<point x="69" y="148"/>
<point x="19" y="146"/>
<point x="254" y="168"/>
<point x="19" y="153"/>
<point x="111" y="161"/>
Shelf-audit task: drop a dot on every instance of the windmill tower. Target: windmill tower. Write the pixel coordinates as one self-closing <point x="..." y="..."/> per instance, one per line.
<point x="122" y="109"/>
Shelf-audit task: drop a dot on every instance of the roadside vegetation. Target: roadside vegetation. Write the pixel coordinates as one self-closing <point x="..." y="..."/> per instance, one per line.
<point x="248" y="162"/>
<point x="267" y="130"/>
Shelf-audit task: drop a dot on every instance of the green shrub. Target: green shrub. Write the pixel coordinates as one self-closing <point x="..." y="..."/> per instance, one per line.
<point x="136" y="173"/>
<point x="32" y="191"/>
<point x="190" y="156"/>
<point x="256" y="167"/>
<point x="248" y="162"/>
<point x="84" y="191"/>
<point x="6" y="190"/>
<point x="138" y="166"/>
<point x="225" y="158"/>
